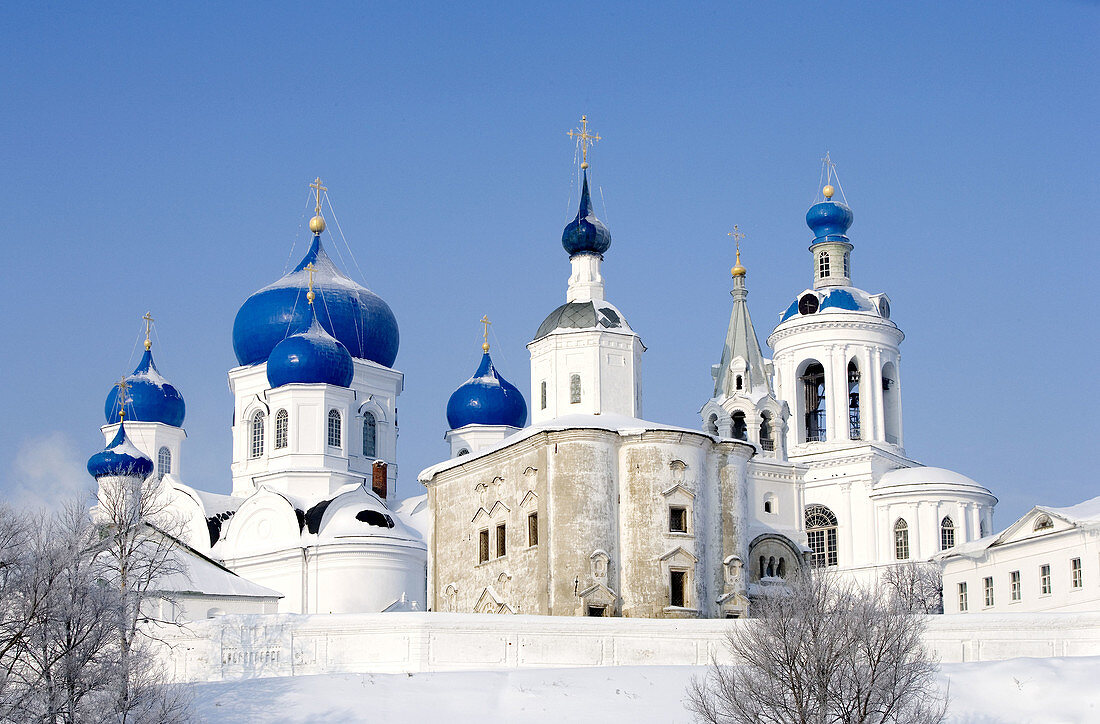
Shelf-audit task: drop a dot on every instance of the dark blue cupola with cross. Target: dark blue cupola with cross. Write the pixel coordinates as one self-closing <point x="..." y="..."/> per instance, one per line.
<point x="149" y="396"/>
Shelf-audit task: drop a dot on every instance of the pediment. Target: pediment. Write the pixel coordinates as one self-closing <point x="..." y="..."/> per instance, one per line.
<point x="481" y="513"/>
<point x="599" y="594"/>
<point x="529" y="500"/>
<point x="490" y="602"/>
<point x="497" y="507"/>
<point x="1031" y="526"/>
<point x="678" y="555"/>
<point x="678" y="489"/>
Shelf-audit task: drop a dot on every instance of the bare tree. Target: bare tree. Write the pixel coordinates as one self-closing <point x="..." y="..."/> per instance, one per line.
<point x="915" y="586"/>
<point x="822" y="652"/>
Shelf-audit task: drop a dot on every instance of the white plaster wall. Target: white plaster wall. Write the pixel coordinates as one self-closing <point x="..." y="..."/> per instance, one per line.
<point x="236" y="647"/>
<point x="609" y="365"/>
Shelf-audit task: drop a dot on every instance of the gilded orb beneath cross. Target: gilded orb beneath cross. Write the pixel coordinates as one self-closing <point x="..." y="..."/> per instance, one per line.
<point x="317" y="224"/>
<point x="828" y="191"/>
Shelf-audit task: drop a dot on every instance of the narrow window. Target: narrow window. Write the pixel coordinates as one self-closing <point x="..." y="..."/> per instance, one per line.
<point x="901" y="540"/>
<point x="767" y="506"/>
<point x="740" y="429"/>
<point x="677" y="594"/>
<point x="1075" y="567"/>
<point x="739" y="382"/>
<point x="962" y="597"/>
<point x="813" y="393"/>
<point x="847" y="265"/>
<point x="947" y="533"/>
<point x="821" y="525"/>
<point x="483" y="546"/>
<point x="781" y="569"/>
<point x="164" y="462"/>
<point x="282" y="426"/>
<point x="853" y="401"/>
<point x="370" y="436"/>
<point x="533" y="529"/>
<point x="1044" y="579"/>
<point x="1015" y="576"/>
<point x="767" y="442"/>
<point x="501" y="540"/>
<point x="257" y="447"/>
<point x="334" y="428"/>
<point x="712" y="425"/>
<point x="574" y="389"/>
<point x="542" y="388"/>
<point x="987" y="583"/>
<point x="823" y="264"/>
<point x="677" y="519"/>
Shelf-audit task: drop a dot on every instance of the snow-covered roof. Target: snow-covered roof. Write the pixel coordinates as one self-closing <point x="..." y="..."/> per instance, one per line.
<point x="622" y="424"/>
<point x="198" y="574"/>
<point x="1080" y="514"/>
<point x="922" y="475"/>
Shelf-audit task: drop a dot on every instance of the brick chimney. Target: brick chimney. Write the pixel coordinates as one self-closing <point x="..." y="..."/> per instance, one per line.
<point x="378" y="479"/>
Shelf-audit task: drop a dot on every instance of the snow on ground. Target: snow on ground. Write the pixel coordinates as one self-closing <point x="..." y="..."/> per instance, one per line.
<point x="1016" y="691"/>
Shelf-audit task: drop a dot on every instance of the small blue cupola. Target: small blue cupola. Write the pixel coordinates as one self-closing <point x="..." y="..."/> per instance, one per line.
<point x="149" y="397"/>
<point x="486" y="399"/>
<point x="313" y="356"/>
<point x="586" y="234"/>
<point x="120" y="458"/>
<point x="828" y="219"/>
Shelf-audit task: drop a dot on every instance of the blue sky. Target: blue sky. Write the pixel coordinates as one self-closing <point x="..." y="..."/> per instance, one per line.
<point x="156" y="157"/>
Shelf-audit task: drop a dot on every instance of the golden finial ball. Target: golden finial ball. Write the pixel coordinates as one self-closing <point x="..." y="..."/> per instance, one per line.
<point x="828" y="191"/>
<point x="485" y="347"/>
<point x="148" y="345"/>
<point x="584" y="164"/>
<point x="317" y="224"/>
<point x="310" y="296"/>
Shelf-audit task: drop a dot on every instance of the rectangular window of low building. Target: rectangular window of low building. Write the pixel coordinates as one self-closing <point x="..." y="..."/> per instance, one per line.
<point x="483" y="546"/>
<point x="574" y="389"/>
<point x="594" y="610"/>
<point x="1015" y="585"/>
<point x="500" y="540"/>
<point x="677" y="519"/>
<point x="533" y="529"/>
<point x="1044" y="579"/>
<point x="1075" y="567"/>
<point x="678" y="585"/>
<point x="962" y="597"/>
<point x="988" y="585"/>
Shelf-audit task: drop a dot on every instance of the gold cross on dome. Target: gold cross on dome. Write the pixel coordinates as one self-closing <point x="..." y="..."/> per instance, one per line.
<point x="318" y="188"/>
<point x="485" y="335"/>
<point x="585" y="138"/>
<point x="310" y="296"/>
<point x="122" y="387"/>
<point x="737" y="235"/>
<point x="148" y="317"/>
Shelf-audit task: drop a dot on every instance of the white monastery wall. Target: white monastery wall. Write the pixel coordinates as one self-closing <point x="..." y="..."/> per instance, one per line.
<point x="236" y="647"/>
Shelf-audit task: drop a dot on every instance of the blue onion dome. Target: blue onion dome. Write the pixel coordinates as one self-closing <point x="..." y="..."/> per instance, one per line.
<point x="121" y="458"/>
<point x="149" y="397"/>
<point x="486" y="399"/>
<point x="312" y="356"/>
<point x="829" y="220"/>
<point x="350" y="312"/>
<point x="586" y="234"/>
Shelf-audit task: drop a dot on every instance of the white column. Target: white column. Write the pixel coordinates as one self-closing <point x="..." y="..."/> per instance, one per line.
<point x="876" y="393"/>
<point x="839" y="407"/>
<point x="869" y="426"/>
<point x="897" y="381"/>
<point x="846" y="542"/>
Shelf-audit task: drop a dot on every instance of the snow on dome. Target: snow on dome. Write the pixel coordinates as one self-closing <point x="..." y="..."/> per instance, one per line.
<point x="925" y="475"/>
<point x="149" y="397"/>
<point x="833" y="299"/>
<point x="359" y="513"/>
<point x="120" y="458"/>
<point x="312" y="356"/>
<point x="351" y="313"/>
<point x="486" y="399"/>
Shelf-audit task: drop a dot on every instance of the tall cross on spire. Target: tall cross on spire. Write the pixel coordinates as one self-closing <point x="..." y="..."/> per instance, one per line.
<point x="148" y="317"/>
<point x="737" y="235"/>
<point x="122" y="387"/>
<point x="586" y="139"/>
<point x="318" y="188"/>
<point x="485" y="334"/>
<point x="310" y="296"/>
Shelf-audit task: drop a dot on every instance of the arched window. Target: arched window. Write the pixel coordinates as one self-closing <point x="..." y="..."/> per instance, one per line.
<point x="282" y="427"/>
<point x="781" y="569"/>
<point x="771" y="503"/>
<point x="813" y="401"/>
<point x="256" y="449"/>
<point x="847" y="265"/>
<point x="891" y="412"/>
<point x="821" y="535"/>
<point x="574" y="389"/>
<point x="334" y="432"/>
<point x="370" y="435"/>
<point x="463" y="451"/>
<point x="823" y="264"/>
<point x="947" y="533"/>
<point x="1043" y="522"/>
<point x="164" y="462"/>
<point x="712" y="424"/>
<point x="853" y="401"/>
<point x="901" y="540"/>
<point x="740" y="429"/>
<point x="739" y="382"/>
<point x="767" y="442"/>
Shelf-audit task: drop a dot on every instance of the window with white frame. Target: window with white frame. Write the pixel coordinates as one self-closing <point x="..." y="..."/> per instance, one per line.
<point x="823" y="264"/>
<point x="901" y="540"/>
<point x="1044" y="579"/>
<point x="821" y="525"/>
<point x="502" y="540"/>
<point x="574" y="389"/>
<point x="847" y="265"/>
<point x="164" y="462"/>
<point x="282" y="428"/>
<point x="1016" y="588"/>
<point x="677" y="519"/>
<point x="947" y="533"/>
<point x="677" y="595"/>
<point x="370" y="435"/>
<point x="1077" y="577"/>
<point x="987" y="584"/>
<point x="962" y="597"/>
<point x="256" y="449"/>
<point x="334" y="432"/>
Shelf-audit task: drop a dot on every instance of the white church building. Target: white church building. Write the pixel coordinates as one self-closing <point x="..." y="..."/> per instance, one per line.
<point x="590" y="509"/>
